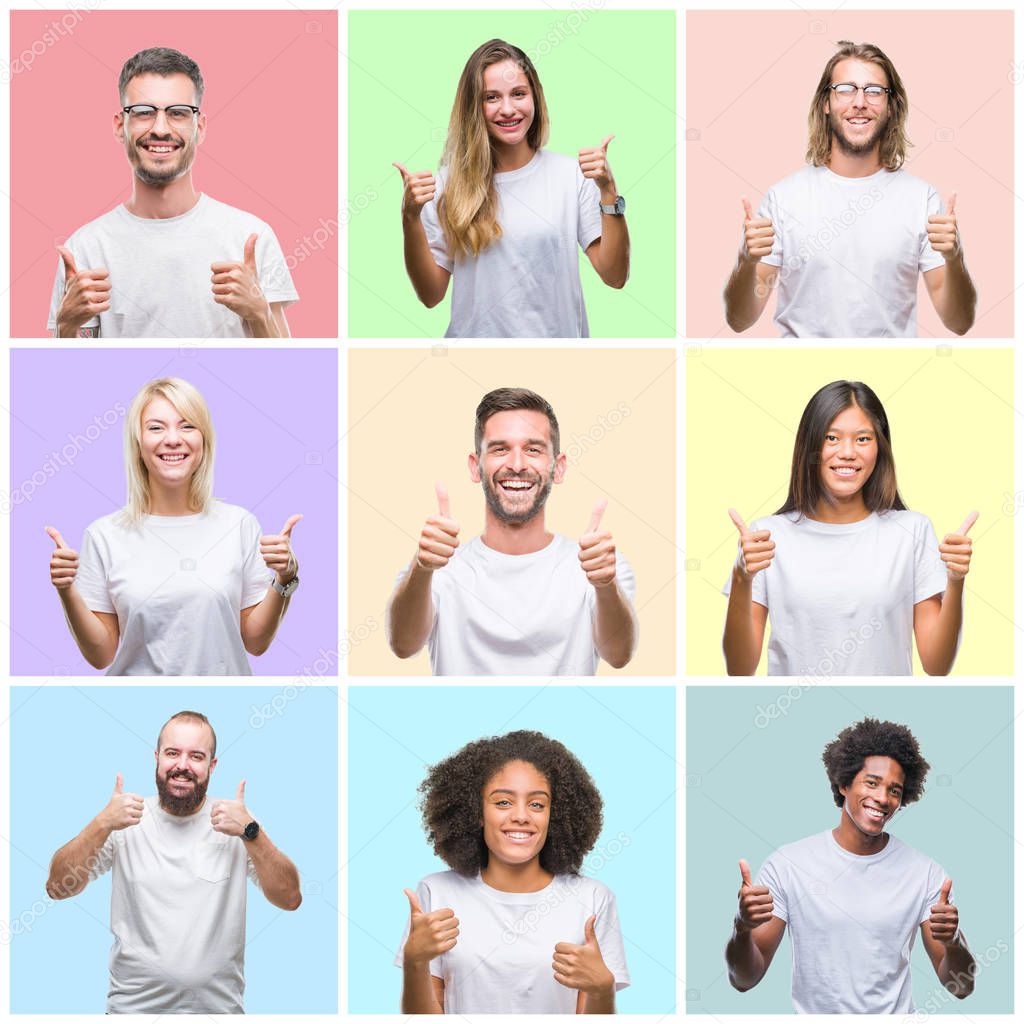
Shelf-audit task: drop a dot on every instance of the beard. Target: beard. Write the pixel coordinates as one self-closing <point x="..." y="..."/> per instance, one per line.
<point x="181" y="805"/>
<point x="521" y="515"/>
<point x="836" y="123"/>
<point x="166" y="173"/>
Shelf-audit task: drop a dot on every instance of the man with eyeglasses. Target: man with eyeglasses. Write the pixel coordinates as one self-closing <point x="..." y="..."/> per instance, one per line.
<point x="169" y="262"/>
<point x="845" y="238"/>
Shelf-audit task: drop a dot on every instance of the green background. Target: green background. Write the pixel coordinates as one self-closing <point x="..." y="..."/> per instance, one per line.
<point x="751" y="789"/>
<point x="603" y="73"/>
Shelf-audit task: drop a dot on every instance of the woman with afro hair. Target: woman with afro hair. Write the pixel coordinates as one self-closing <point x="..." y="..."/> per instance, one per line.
<point x="854" y="896"/>
<point x="513" y="927"/>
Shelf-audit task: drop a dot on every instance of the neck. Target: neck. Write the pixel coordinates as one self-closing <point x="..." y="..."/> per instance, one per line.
<point x="515" y="538"/>
<point x="843" y="510"/>
<point x="529" y="877"/>
<point x="854" y="165"/>
<point x="852" y="840"/>
<point x="511" y="158"/>
<point x="159" y="202"/>
<point x="166" y="502"/>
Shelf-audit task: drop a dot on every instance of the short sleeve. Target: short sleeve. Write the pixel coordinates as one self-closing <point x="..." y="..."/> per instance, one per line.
<point x="624" y="577"/>
<point x="435" y="233"/>
<point x="929" y="569"/>
<point x="936" y="876"/>
<point x="769" y="875"/>
<point x="609" y="938"/>
<point x="250" y="871"/>
<point x="91" y="581"/>
<point x="275" y="278"/>
<point x="56" y="295"/>
<point x="928" y="258"/>
<point x="588" y="222"/>
<point x="770" y="208"/>
<point x="104" y="859"/>
<point x="255" y="574"/>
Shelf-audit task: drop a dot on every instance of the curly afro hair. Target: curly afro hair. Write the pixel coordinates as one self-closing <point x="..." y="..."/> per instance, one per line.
<point x="453" y="801"/>
<point x="844" y="756"/>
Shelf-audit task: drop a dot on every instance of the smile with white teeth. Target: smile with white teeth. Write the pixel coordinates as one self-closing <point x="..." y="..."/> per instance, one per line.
<point x="872" y="813"/>
<point x="845" y="470"/>
<point x="159" y="147"/>
<point x="515" y="485"/>
<point x="519" y="837"/>
<point x="173" y="456"/>
<point x="509" y="124"/>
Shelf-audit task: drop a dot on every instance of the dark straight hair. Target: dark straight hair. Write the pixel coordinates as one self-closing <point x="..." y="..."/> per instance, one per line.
<point x="805" y="487"/>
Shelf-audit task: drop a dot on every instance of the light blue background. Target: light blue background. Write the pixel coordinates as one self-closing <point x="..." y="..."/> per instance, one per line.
<point x="624" y="736"/>
<point x="67" y="745"/>
<point x="755" y="782"/>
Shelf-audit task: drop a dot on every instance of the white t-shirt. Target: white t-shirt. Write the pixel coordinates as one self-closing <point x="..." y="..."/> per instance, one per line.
<point x="502" y="960"/>
<point x="178" y="585"/>
<point x="177" y="911"/>
<point x="850" y="250"/>
<point x="527" y="283"/>
<point x="852" y="921"/>
<point x="841" y="596"/>
<point x="160" y="270"/>
<point x="525" y="615"/>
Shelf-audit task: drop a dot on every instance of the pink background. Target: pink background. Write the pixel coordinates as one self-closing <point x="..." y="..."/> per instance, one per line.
<point x="271" y="145"/>
<point x="750" y="76"/>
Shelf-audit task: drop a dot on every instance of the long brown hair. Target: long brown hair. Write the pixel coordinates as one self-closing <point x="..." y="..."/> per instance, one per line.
<point x="806" y="490"/>
<point x="468" y="207"/>
<point x="894" y="143"/>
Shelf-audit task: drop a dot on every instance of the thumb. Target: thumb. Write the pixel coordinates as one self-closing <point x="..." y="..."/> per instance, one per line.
<point x="972" y="518"/>
<point x="604" y="145"/>
<point x="588" y="930"/>
<point x="54" y="535"/>
<point x="745" y="872"/>
<point x="738" y="522"/>
<point x="414" y="904"/>
<point x="69" y="261"/>
<point x="947" y="885"/>
<point x="249" y="255"/>
<point x="119" y="784"/>
<point x="951" y="205"/>
<point x="240" y="795"/>
<point x="444" y="506"/>
<point x="595" y="517"/>
<point x="286" y="530"/>
<point x="748" y="213"/>
<point x="402" y="171"/>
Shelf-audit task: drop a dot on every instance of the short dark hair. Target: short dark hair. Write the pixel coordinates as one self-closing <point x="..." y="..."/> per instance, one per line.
<point x="189" y="716"/>
<point x="506" y="399"/>
<point x="453" y="801"/>
<point x="160" y="60"/>
<point x="844" y="757"/>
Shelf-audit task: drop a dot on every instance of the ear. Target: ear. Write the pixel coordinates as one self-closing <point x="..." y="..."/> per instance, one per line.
<point x="119" y="126"/>
<point x="200" y="128"/>
<point x="561" y="464"/>
<point x="474" y="468"/>
<point x="213" y="764"/>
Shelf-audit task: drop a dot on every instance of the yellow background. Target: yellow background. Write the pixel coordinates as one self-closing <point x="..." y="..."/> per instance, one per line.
<point x="951" y="415"/>
<point x="411" y="417"/>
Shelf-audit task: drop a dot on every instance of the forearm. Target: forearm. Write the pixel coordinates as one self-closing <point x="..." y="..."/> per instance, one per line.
<point x="739" y="642"/>
<point x="938" y="648"/>
<point x="261" y="624"/>
<point x="72" y="863"/>
<point x="613" y="255"/>
<point x="265" y="325"/>
<point x="615" y="627"/>
<point x="418" y="990"/>
<point x="745" y="962"/>
<point x="600" y="1002"/>
<point x="411" y="612"/>
<point x="93" y="638"/>
<point x="957" y="299"/>
<point x="743" y="304"/>
<point x="429" y="281"/>
<point x="279" y="878"/>
<point x="957" y="969"/>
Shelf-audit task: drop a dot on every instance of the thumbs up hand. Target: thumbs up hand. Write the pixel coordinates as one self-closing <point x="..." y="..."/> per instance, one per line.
<point x="582" y="967"/>
<point x="597" y="549"/>
<point x="955" y="549"/>
<point x="276" y="551"/>
<point x="237" y="285"/>
<point x="417" y="190"/>
<point x="594" y="165"/>
<point x="231" y="816"/>
<point x="945" y="919"/>
<point x="756" y="548"/>
<point x="123" y="810"/>
<point x="756" y="904"/>
<point x="431" y="934"/>
<point x="63" y="561"/>
<point x="943" y="233"/>
<point x="440" y="536"/>
<point x="758" y="234"/>
<point x="86" y="295"/>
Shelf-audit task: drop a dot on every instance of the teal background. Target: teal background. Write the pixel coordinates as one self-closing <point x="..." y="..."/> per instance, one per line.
<point x="624" y="736"/>
<point x="603" y="73"/>
<point x="68" y="744"/>
<point x="751" y="789"/>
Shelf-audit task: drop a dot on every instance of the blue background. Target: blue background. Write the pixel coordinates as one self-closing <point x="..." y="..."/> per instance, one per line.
<point x="68" y="744"/>
<point x="624" y="736"/>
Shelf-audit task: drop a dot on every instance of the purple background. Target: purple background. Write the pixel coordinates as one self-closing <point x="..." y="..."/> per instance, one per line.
<point x="275" y="415"/>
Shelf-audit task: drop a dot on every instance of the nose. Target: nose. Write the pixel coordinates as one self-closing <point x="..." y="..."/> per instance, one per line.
<point x="516" y="459"/>
<point x="520" y="814"/>
<point x="161" y="115"/>
<point x="846" y="448"/>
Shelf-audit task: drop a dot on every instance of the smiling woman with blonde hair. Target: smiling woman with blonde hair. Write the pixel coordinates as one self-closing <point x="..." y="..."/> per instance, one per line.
<point x="176" y="582"/>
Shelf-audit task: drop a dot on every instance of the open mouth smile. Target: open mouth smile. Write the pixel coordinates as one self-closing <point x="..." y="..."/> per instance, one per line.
<point x="518" y="837"/>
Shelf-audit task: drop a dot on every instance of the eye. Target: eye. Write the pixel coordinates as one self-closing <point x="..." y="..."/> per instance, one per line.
<point x="870" y="782"/>
<point x="503" y="802"/>
<point x="538" y="805"/>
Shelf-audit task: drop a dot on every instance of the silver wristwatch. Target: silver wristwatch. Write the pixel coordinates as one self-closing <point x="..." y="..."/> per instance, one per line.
<point x="617" y="209"/>
<point x="286" y="589"/>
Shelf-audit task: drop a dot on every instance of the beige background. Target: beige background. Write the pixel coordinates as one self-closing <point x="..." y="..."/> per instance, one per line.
<point x="411" y="415"/>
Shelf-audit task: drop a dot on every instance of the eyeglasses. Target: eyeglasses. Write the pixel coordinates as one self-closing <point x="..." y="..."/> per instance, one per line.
<point x="872" y="93"/>
<point x="178" y="114"/>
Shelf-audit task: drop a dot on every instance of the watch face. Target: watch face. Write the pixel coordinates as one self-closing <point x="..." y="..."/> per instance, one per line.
<point x="252" y="830"/>
<point x="620" y="204"/>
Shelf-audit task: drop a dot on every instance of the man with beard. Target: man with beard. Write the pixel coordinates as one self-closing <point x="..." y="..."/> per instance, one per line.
<point x="177" y="907"/>
<point x="517" y="599"/>
<point x="169" y="262"/>
<point x="845" y="238"/>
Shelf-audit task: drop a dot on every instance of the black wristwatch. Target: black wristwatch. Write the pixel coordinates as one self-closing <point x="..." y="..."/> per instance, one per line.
<point x="251" y="831"/>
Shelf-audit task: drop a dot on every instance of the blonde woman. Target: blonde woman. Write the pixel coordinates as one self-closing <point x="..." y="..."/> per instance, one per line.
<point x="177" y="582"/>
<point x="504" y="216"/>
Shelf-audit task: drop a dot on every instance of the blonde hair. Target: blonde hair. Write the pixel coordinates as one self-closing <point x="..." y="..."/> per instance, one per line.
<point x="894" y="143"/>
<point x="468" y="207"/>
<point x="192" y="407"/>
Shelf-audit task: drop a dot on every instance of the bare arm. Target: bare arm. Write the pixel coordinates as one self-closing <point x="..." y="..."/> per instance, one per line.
<point x="747" y="292"/>
<point x="953" y="294"/>
<point x="71" y="864"/>
<point x="429" y="281"/>
<point x="279" y="878"/>
<point x="609" y="254"/>
<point x="273" y="325"/>
<point x="96" y="633"/>
<point x="615" y="627"/>
<point x="594" y="1002"/>
<point x="954" y="965"/>
<point x="749" y="951"/>
<point x="410" y="614"/>
<point x="745" y="620"/>
<point x="259" y="622"/>
<point x="937" y="622"/>
<point x="421" y="991"/>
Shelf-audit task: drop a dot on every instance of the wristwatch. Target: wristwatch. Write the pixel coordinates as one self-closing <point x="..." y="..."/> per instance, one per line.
<point x="286" y="589"/>
<point x="617" y="209"/>
<point x="251" y="831"/>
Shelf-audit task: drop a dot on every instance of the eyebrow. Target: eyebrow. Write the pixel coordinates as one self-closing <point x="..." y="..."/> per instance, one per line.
<point x="898" y="785"/>
<point x="512" y="792"/>
<point x="168" y="750"/>
<point x="530" y="440"/>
